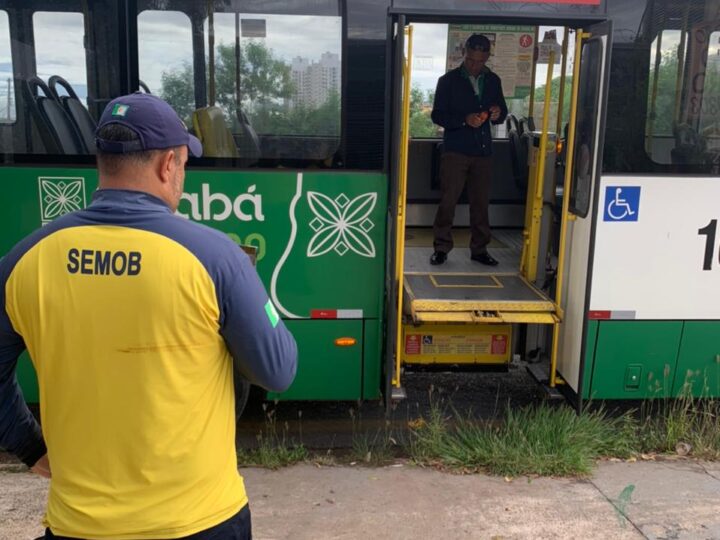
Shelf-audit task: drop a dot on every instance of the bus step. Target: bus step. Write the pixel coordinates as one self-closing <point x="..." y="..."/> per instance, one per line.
<point x="398" y="393"/>
<point x="541" y="374"/>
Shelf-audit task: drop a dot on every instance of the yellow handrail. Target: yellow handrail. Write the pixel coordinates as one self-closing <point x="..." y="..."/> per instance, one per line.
<point x="535" y="198"/>
<point x="563" y="70"/>
<point x="569" y="153"/>
<point x="401" y="202"/>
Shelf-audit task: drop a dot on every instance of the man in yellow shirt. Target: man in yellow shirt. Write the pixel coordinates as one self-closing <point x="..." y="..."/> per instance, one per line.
<point x="135" y="319"/>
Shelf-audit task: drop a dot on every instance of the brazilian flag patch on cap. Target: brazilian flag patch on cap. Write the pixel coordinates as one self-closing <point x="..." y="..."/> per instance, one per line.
<point x="120" y="110"/>
<point x="272" y="314"/>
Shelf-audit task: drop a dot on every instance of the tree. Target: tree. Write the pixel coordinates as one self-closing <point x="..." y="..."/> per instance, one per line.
<point x="262" y="77"/>
<point x="554" y="99"/>
<point x="421" y="125"/>
<point x="300" y="119"/>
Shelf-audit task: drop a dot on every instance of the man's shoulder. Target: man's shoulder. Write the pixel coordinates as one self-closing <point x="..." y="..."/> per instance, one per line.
<point x="206" y="243"/>
<point x="452" y="74"/>
<point x="11" y="258"/>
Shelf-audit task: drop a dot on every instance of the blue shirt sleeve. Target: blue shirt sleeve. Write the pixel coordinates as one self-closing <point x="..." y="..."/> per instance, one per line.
<point x="264" y="351"/>
<point x="20" y="433"/>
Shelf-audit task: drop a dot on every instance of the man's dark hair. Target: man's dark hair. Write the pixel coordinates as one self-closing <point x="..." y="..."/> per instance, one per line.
<point x="111" y="163"/>
<point x="477" y="42"/>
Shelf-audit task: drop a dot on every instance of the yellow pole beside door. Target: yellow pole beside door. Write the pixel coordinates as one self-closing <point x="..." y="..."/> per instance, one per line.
<point x="535" y="195"/>
<point x="401" y="203"/>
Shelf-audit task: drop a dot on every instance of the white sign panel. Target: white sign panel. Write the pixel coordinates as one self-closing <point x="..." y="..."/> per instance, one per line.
<point x="511" y="54"/>
<point x="657" y="249"/>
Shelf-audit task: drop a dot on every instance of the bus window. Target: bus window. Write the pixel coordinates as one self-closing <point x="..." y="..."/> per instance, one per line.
<point x="710" y="112"/>
<point x="165" y="58"/>
<point x="663" y="99"/>
<point x="287" y="87"/>
<point x="585" y="127"/>
<point x="279" y="97"/>
<point x="7" y="91"/>
<point x="59" y="48"/>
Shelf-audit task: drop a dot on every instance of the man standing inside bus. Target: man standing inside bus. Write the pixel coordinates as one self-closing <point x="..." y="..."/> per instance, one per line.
<point x="135" y="320"/>
<point x="467" y="99"/>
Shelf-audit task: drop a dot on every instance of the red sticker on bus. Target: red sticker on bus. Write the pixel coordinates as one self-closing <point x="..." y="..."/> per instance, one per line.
<point x="412" y="344"/>
<point x="499" y="344"/>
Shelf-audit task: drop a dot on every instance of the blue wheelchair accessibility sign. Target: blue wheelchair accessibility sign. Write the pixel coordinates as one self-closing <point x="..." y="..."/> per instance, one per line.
<point x="622" y="203"/>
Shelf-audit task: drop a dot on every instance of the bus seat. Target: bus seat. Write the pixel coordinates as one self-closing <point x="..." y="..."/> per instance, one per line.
<point x="246" y="138"/>
<point x="689" y="146"/>
<point x="216" y="138"/>
<point x="143" y="87"/>
<point x="57" y="131"/>
<point x="80" y="116"/>
<point x="526" y="124"/>
<point x="523" y="155"/>
<point x="511" y="122"/>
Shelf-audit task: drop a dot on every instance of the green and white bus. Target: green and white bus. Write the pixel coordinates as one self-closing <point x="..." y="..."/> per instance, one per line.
<point x="319" y="151"/>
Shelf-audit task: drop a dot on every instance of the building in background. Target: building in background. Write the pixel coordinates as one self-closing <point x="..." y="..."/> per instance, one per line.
<point x="314" y="81"/>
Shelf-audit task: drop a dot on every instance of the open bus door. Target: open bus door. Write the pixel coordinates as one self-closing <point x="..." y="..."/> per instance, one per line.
<point x="454" y="312"/>
<point x="399" y="119"/>
<point x="585" y="151"/>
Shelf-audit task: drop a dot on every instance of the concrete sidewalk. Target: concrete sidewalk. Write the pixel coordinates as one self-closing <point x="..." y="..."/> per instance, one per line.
<point x="673" y="499"/>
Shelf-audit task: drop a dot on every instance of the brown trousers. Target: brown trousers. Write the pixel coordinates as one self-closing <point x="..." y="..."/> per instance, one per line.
<point x="456" y="170"/>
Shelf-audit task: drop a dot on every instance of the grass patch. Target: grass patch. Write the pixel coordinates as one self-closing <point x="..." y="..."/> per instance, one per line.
<point x="374" y="449"/>
<point x="683" y="426"/>
<point x="274" y="450"/>
<point x="535" y="440"/>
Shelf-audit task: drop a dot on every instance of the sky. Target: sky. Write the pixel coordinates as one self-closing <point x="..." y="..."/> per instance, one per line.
<point x="165" y="39"/>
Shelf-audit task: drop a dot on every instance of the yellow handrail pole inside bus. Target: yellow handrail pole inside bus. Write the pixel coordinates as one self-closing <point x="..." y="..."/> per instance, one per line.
<point x="570" y="153"/>
<point x="211" y="54"/>
<point x="531" y="106"/>
<point x="681" y="66"/>
<point x="402" y="201"/>
<point x="563" y="71"/>
<point x="656" y="78"/>
<point x="536" y="197"/>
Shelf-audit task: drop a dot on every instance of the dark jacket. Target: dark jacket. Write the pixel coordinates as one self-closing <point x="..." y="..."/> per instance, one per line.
<point x="454" y="100"/>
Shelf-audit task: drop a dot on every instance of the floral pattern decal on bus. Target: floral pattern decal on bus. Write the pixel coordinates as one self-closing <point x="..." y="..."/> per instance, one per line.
<point x="60" y="195"/>
<point x="341" y="224"/>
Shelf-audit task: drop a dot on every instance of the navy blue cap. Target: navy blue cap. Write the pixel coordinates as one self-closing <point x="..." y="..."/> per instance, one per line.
<point x="156" y="124"/>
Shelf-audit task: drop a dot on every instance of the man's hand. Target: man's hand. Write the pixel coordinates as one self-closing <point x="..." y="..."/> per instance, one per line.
<point x="494" y="113"/>
<point x="42" y="467"/>
<point x="475" y="120"/>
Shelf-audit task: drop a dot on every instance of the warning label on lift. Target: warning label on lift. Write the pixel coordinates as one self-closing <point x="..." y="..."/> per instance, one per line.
<point x="455" y="344"/>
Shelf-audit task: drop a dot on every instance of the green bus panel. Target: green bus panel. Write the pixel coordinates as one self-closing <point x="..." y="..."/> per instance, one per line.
<point x="590" y="343"/>
<point x="27" y="379"/>
<point x="324" y="230"/>
<point x="699" y="359"/>
<point x="372" y="355"/>
<point x="635" y="359"/>
<point x="325" y="370"/>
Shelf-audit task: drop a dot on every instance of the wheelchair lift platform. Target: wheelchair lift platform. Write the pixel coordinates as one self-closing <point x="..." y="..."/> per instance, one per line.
<point x="474" y="297"/>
